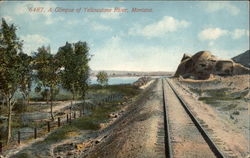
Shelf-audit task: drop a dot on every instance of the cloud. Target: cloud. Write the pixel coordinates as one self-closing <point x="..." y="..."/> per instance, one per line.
<point x="238" y="33"/>
<point x="8" y="18"/>
<point x="73" y="22"/>
<point x="100" y="27"/>
<point x="212" y="33"/>
<point x="165" y="25"/>
<point x="110" y="15"/>
<point x="223" y="53"/>
<point x="117" y="54"/>
<point x="50" y="20"/>
<point x="217" y="6"/>
<point x="33" y="41"/>
<point x="211" y="43"/>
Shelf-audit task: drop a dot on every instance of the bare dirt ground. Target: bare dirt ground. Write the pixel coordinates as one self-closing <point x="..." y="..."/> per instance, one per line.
<point x="233" y="136"/>
<point x="186" y="139"/>
<point x="60" y="105"/>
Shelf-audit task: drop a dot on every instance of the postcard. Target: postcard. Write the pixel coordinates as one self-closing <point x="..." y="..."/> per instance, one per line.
<point x="124" y="79"/>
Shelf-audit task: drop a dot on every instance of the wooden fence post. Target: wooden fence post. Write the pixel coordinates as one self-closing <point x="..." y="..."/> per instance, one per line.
<point x="67" y="118"/>
<point x="35" y="132"/>
<point x="80" y="112"/>
<point x="19" y="137"/>
<point x="70" y="109"/>
<point x="59" y="122"/>
<point x="70" y="118"/>
<point x="48" y="123"/>
<point x="1" y="147"/>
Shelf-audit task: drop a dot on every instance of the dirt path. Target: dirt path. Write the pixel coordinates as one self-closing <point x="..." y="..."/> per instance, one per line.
<point x="60" y="105"/>
<point x="135" y="136"/>
<point x="186" y="140"/>
<point x="22" y="146"/>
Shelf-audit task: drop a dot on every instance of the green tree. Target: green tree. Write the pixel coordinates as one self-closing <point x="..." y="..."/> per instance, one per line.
<point x="26" y="76"/>
<point x="102" y="78"/>
<point x="10" y="75"/>
<point x="74" y="59"/>
<point x="47" y="72"/>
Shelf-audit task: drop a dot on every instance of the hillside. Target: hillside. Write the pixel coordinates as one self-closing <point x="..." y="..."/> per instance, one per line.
<point x="243" y="59"/>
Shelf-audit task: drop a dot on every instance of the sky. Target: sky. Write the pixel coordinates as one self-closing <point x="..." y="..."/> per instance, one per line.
<point x="135" y="41"/>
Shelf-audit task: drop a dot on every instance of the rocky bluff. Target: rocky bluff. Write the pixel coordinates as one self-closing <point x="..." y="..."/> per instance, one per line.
<point x="204" y="64"/>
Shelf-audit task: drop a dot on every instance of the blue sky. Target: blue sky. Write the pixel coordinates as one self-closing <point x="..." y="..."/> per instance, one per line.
<point x="142" y="41"/>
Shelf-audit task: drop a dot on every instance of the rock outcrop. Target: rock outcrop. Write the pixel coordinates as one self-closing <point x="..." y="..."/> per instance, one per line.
<point x="203" y="65"/>
<point x="243" y="59"/>
<point x="142" y="81"/>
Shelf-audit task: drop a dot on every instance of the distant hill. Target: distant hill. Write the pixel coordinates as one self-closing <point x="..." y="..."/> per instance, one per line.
<point x="113" y="73"/>
<point x="243" y="59"/>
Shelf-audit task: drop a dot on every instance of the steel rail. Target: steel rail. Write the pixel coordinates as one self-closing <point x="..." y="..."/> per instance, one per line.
<point x="168" y="149"/>
<point x="204" y="134"/>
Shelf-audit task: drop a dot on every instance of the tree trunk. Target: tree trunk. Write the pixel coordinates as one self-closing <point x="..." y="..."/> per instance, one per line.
<point x="28" y="99"/>
<point x="9" y="120"/>
<point x="47" y="99"/>
<point x="51" y="104"/>
<point x="73" y="98"/>
<point x="24" y="101"/>
<point x="3" y="102"/>
<point x="73" y="94"/>
<point x="72" y="102"/>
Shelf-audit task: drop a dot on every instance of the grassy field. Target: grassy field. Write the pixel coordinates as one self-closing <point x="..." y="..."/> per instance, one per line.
<point x="99" y="114"/>
<point x="224" y="99"/>
<point x="91" y="122"/>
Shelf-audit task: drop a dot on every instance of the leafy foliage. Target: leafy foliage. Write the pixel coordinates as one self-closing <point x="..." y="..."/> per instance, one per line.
<point x="10" y="46"/>
<point x="73" y="60"/>
<point x="102" y="78"/>
<point x="68" y="67"/>
<point x="47" y="72"/>
<point x="26" y="75"/>
<point x="10" y="67"/>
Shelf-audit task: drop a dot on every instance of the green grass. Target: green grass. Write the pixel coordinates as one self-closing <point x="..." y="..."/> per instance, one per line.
<point x="211" y="99"/>
<point x="223" y="95"/>
<point x="125" y="89"/>
<point x="228" y="107"/>
<point x="23" y="155"/>
<point x="217" y="92"/>
<point x="211" y="92"/>
<point x="223" y="105"/>
<point x="60" y="133"/>
<point x="91" y="122"/>
<point x="222" y="98"/>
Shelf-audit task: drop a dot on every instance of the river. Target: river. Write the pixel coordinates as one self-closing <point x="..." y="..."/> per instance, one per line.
<point x="116" y="80"/>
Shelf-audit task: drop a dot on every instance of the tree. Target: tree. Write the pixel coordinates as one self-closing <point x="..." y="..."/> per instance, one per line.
<point x="26" y="76"/>
<point x="102" y="78"/>
<point x="47" y="72"/>
<point x="10" y="75"/>
<point x="73" y="60"/>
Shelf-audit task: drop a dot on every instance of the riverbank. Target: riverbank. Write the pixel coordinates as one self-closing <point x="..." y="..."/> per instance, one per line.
<point x="103" y="105"/>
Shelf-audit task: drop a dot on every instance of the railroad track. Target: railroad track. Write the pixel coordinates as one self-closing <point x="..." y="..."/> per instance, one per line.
<point x="194" y="123"/>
